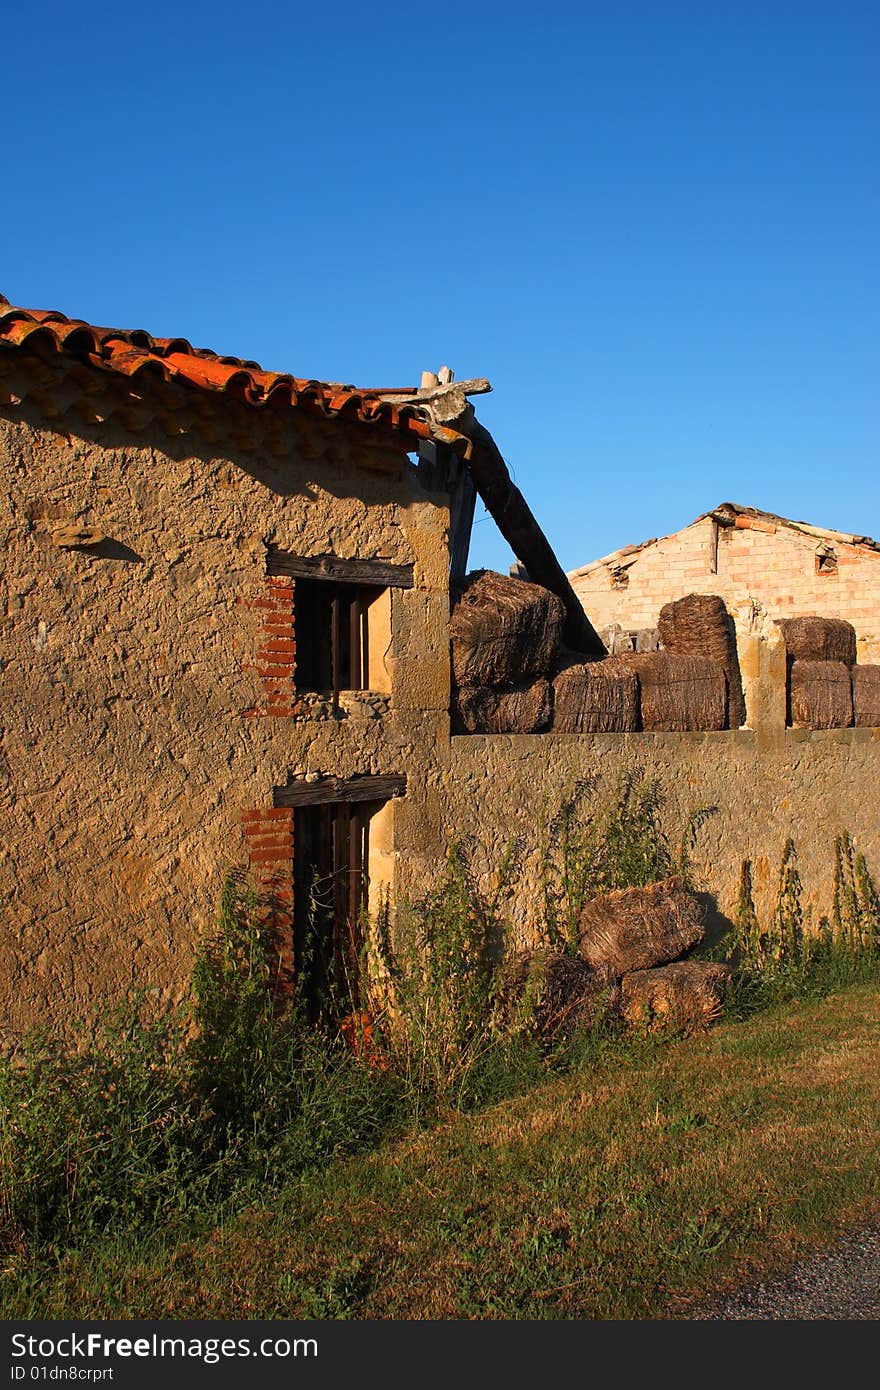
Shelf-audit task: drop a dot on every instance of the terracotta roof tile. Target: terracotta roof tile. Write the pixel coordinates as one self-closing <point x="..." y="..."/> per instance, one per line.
<point x="134" y="353"/>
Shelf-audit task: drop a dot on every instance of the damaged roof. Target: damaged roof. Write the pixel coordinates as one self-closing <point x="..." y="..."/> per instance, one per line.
<point x="734" y="515"/>
<point x="138" y="356"/>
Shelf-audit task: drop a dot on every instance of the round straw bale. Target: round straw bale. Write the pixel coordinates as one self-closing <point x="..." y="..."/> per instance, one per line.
<point x="518" y="709"/>
<point x="699" y="625"/>
<point x="636" y="928"/>
<point x="686" y="996"/>
<point x="503" y="630"/>
<point x="595" y="697"/>
<point x="819" y="639"/>
<point x="820" y="695"/>
<point x="679" y="692"/>
<point x="866" y="696"/>
<point x="556" y="990"/>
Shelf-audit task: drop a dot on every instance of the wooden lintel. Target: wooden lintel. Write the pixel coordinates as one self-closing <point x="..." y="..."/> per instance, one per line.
<point x="299" y="792"/>
<point x="282" y="563"/>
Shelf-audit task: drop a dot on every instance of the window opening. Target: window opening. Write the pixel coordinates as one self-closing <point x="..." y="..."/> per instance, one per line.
<point x="826" y="562"/>
<point x="332" y="635"/>
<point x="331" y="853"/>
<point x="331" y="860"/>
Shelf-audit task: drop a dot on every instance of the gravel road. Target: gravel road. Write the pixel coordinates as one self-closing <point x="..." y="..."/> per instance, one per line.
<point x="841" y="1283"/>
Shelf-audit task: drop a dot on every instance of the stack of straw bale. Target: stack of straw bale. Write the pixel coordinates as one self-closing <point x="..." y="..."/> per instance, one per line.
<point x="699" y="625"/>
<point x="504" y="634"/>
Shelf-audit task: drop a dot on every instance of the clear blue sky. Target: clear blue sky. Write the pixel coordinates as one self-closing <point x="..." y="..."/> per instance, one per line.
<point x="654" y="227"/>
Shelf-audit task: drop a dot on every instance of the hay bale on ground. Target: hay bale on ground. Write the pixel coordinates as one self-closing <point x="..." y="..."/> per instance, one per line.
<point x="517" y="709"/>
<point x="820" y="695"/>
<point x="679" y="692"/>
<point x="503" y="630"/>
<point x="686" y="996"/>
<point x="558" y="990"/>
<point x="636" y="928"/>
<point x="699" y="625"/>
<point x="595" y="697"/>
<point x="819" y="639"/>
<point x="866" y="696"/>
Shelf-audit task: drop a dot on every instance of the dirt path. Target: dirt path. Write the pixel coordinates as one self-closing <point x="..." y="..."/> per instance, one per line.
<point x="842" y="1283"/>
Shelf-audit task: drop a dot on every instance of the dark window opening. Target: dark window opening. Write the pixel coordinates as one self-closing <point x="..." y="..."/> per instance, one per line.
<point x="332" y="635"/>
<point x="826" y="562"/>
<point x="331" y="853"/>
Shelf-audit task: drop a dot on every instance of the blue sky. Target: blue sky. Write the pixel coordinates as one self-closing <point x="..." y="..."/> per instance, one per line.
<point x="654" y="227"/>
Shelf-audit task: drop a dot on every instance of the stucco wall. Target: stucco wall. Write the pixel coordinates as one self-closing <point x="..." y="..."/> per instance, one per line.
<point x="128" y="759"/>
<point x="810" y="786"/>
<point x="778" y="569"/>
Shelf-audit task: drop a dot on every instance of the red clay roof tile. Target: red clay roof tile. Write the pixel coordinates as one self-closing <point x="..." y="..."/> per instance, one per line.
<point x="133" y="352"/>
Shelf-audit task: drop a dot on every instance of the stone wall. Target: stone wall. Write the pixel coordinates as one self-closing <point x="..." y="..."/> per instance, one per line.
<point x="807" y="785"/>
<point x="140" y="739"/>
<point x="777" y="568"/>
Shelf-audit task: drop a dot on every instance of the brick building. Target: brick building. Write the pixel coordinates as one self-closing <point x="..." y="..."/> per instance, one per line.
<point x="790" y="567"/>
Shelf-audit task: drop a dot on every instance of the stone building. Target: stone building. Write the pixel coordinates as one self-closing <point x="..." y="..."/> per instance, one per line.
<point x="225" y="602"/>
<point x="790" y="567"/>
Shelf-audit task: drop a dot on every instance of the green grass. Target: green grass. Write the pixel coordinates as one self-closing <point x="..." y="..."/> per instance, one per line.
<point x="626" y="1189"/>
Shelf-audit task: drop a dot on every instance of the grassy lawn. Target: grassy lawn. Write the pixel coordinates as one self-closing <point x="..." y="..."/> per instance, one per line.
<point x="626" y="1189"/>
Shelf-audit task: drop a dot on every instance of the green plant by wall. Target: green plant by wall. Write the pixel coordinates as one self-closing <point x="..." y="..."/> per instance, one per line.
<point x="855" y="916"/>
<point x="787" y="933"/>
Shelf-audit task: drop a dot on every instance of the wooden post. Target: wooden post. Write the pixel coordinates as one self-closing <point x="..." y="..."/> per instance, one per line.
<point x="511" y="514"/>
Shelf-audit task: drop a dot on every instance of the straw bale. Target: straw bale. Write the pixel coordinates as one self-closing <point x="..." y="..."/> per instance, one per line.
<point x="636" y="928"/>
<point x="866" y="696"/>
<point x="820" y="695"/>
<point x="819" y="639"/>
<point x="679" y="692"/>
<point x="558" y="990"/>
<point x="686" y="996"/>
<point x="503" y="630"/>
<point x="595" y="697"/>
<point x="518" y="709"/>
<point x="699" y="625"/>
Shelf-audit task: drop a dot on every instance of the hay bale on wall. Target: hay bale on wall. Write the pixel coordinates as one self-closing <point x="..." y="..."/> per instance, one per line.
<point x="518" y="709"/>
<point x="503" y="630"/>
<point x="686" y="996"/>
<point x="558" y="989"/>
<point x="679" y="692"/>
<point x="595" y="697"/>
<point x="820" y="695"/>
<point x="819" y="639"/>
<point x="636" y="928"/>
<point x="699" y="625"/>
<point x="866" y="696"/>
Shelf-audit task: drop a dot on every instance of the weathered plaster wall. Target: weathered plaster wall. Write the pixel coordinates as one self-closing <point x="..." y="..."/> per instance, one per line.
<point x="127" y="759"/>
<point x="808" y="785"/>
<point x="777" y="569"/>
